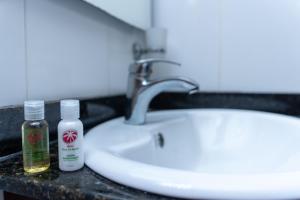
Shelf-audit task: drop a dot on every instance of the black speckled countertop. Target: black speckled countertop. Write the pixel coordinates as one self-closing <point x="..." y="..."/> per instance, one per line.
<point x="92" y="112"/>
<point x="85" y="184"/>
<point x="55" y="184"/>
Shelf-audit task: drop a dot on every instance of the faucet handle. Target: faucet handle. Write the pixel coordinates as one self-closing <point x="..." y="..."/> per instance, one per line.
<point x="144" y="66"/>
<point x="154" y="60"/>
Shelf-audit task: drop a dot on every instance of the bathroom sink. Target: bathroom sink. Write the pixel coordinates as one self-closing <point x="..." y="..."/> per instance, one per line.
<point x="201" y="154"/>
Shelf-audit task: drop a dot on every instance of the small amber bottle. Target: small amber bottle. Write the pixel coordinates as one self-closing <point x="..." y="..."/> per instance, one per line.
<point x="35" y="138"/>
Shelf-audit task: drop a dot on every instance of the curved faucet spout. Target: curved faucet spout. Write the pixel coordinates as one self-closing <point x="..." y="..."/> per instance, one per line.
<point x="139" y="102"/>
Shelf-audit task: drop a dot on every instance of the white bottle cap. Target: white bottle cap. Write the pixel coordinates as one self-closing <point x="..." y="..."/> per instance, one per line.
<point x="69" y="109"/>
<point x="34" y="110"/>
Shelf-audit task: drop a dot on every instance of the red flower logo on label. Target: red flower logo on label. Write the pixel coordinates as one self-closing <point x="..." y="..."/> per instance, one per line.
<point x="34" y="137"/>
<point x="69" y="136"/>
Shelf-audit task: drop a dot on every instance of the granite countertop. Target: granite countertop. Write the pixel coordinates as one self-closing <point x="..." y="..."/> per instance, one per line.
<point x="85" y="184"/>
<point x="55" y="184"/>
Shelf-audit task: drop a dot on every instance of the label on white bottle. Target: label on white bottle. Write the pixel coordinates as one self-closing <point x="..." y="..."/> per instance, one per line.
<point x="70" y="151"/>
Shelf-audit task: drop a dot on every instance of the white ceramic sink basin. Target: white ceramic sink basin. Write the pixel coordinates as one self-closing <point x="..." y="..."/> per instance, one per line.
<point x="201" y="154"/>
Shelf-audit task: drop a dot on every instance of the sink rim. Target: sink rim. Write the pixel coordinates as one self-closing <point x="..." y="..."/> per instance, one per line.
<point x="131" y="175"/>
<point x="163" y="180"/>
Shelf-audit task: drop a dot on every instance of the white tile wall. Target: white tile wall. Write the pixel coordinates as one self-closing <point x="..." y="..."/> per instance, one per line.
<point x="261" y="46"/>
<point x="73" y="50"/>
<point x="234" y="45"/>
<point x="192" y="38"/>
<point x="120" y="43"/>
<point x="67" y="50"/>
<point x="12" y="52"/>
<point x="55" y="49"/>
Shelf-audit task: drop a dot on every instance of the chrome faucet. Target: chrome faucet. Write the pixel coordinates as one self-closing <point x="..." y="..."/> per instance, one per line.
<point x="141" y="90"/>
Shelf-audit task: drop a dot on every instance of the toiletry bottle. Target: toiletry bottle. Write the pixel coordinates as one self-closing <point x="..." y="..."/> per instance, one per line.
<point x="35" y="138"/>
<point x="70" y="137"/>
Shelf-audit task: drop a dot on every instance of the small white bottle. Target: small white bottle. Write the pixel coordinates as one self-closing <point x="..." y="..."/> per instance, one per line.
<point x="70" y="137"/>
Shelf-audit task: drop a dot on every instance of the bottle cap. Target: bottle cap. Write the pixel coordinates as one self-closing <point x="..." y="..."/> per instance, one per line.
<point x="34" y="110"/>
<point x="69" y="109"/>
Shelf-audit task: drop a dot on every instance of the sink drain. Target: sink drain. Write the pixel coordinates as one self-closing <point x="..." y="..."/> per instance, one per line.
<point x="159" y="140"/>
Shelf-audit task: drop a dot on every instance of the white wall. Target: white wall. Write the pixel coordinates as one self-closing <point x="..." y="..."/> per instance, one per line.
<point x="234" y="45"/>
<point x="12" y="48"/>
<point x="54" y="49"/>
<point x="134" y="12"/>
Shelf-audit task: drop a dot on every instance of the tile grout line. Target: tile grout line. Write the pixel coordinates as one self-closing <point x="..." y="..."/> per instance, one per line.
<point x="26" y="49"/>
<point x="220" y="42"/>
<point x="152" y="4"/>
<point x="108" y="88"/>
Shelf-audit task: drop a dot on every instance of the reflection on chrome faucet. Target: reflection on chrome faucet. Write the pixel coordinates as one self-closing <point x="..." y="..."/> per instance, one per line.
<point x="141" y="90"/>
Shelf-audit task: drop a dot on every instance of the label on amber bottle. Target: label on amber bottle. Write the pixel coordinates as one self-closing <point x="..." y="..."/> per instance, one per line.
<point x="36" y="146"/>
